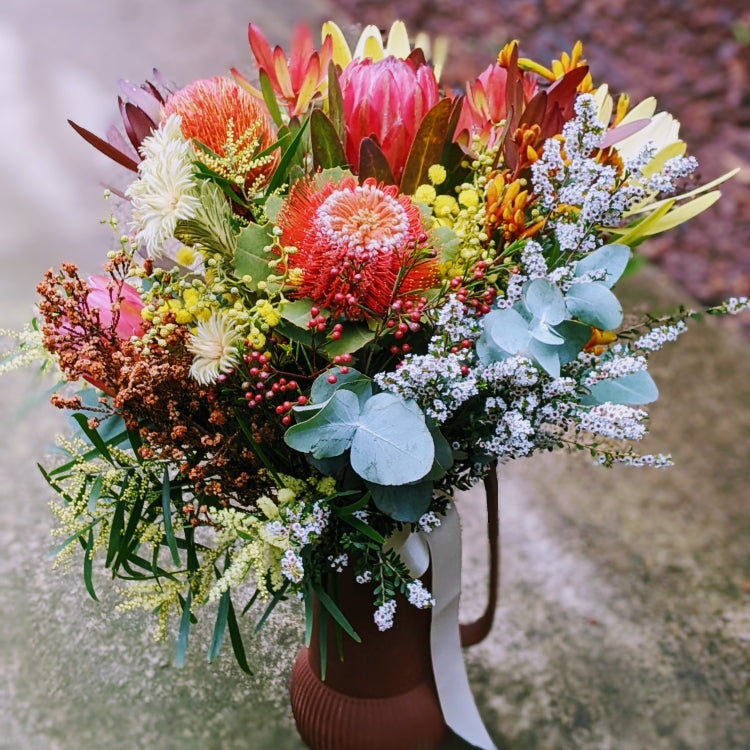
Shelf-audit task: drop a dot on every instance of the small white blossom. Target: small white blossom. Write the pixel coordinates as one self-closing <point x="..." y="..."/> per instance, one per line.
<point x="383" y="616"/>
<point x="418" y="595"/>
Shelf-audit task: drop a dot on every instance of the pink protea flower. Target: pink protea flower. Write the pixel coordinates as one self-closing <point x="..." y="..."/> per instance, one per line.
<point x="386" y="100"/>
<point x="298" y="80"/>
<point x="358" y="247"/>
<point x="122" y="304"/>
<point x="485" y="105"/>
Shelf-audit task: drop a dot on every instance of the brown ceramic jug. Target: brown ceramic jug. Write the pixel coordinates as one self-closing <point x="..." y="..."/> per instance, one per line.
<point x="382" y="694"/>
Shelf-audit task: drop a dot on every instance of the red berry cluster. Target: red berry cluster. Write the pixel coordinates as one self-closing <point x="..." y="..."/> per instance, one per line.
<point x="406" y="318"/>
<point x="466" y="292"/>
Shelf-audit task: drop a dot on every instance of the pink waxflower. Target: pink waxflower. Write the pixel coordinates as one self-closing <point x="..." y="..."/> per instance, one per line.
<point x="386" y="100"/>
<point x="485" y="106"/>
<point x="115" y="302"/>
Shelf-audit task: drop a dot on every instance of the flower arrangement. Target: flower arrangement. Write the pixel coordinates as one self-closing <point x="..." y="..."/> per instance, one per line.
<point x="340" y="295"/>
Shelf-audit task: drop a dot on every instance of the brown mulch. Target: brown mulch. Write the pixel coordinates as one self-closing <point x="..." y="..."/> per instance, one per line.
<point x="692" y="55"/>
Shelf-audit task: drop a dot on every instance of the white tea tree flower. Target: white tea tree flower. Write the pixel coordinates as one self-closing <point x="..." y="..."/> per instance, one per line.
<point x="214" y="344"/>
<point x="166" y="190"/>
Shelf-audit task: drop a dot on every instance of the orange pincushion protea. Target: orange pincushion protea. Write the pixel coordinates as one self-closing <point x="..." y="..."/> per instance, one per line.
<point x="229" y="121"/>
<point x="358" y="247"/>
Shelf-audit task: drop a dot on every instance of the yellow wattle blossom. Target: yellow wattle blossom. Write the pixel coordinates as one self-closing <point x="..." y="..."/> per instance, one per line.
<point x="468" y="198"/>
<point x="255" y="339"/>
<point x="425" y="194"/>
<point x="268" y="313"/>
<point x="445" y="206"/>
<point x="437" y="174"/>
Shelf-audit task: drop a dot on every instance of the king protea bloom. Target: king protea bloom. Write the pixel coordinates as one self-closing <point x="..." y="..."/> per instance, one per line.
<point x="214" y="346"/>
<point x="386" y="99"/>
<point x="357" y="247"/>
<point x="232" y="123"/>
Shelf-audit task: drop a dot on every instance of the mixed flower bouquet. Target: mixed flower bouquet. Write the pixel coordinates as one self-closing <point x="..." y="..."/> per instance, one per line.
<point x="342" y="292"/>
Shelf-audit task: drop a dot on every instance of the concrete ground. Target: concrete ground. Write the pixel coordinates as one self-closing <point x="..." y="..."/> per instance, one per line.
<point x="624" y="617"/>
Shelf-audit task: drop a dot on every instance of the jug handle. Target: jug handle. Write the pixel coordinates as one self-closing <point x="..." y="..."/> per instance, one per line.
<point x="474" y="632"/>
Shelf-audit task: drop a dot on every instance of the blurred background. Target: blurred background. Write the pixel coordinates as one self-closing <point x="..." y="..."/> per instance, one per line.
<point x="624" y="616"/>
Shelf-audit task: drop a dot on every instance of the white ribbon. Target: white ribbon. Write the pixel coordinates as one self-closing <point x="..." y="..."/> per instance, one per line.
<point x="459" y="709"/>
<point x="443" y="546"/>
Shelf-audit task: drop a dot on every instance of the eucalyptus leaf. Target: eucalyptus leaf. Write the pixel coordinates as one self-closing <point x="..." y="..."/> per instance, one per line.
<point x="612" y="259"/>
<point x="634" y="389"/>
<point x="545" y="301"/>
<point x="507" y="330"/>
<point x="546" y="356"/>
<point x="575" y="337"/>
<point x="594" y="304"/>
<point x="330" y="431"/>
<point x="541" y="331"/>
<point x="298" y="312"/>
<point x="351" y="380"/>
<point x="407" y="503"/>
<point x="392" y="444"/>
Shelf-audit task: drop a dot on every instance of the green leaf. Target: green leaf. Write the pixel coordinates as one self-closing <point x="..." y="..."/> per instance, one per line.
<point x="612" y="259"/>
<point x="288" y="158"/>
<point x="72" y="538"/>
<point x="575" y="337"/>
<point x="352" y="380"/>
<point x="219" y="626"/>
<point x="594" y="304"/>
<point x="337" y="615"/>
<point x="115" y="533"/>
<point x="166" y="508"/>
<point x="277" y="597"/>
<point x="251" y="256"/>
<point x="335" y="101"/>
<point x="269" y="97"/>
<point x="391" y="444"/>
<point x="236" y="639"/>
<point x="330" y="431"/>
<point x="95" y="493"/>
<point x="353" y="337"/>
<point x="94" y="437"/>
<point x="506" y="330"/>
<point x="405" y="503"/>
<point x="547" y="356"/>
<point x="327" y="150"/>
<point x="309" y="613"/>
<point x="364" y="528"/>
<point x="87" y="565"/>
<point x="635" y="389"/>
<point x="427" y="147"/>
<point x="298" y="312"/>
<point x="182" y="636"/>
<point x="544" y="301"/>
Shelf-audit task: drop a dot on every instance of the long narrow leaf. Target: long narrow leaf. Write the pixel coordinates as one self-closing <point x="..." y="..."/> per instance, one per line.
<point x="327" y="150"/>
<point x="277" y="597"/>
<point x="219" y="626"/>
<point x="182" y="636"/>
<point x="89" y="455"/>
<point x="270" y="98"/>
<point x="166" y="506"/>
<point x="72" y="538"/>
<point x="94" y="437"/>
<point x="309" y="611"/>
<point x="337" y="615"/>
<point x="88" y="564"/>
<point x="128" y="540"/>
<point x="287" y="159"/>
<point x="253" y="599"/>
<point x="95" y="494"/>
<point x="115" y="534"/>
<point x="236" y="638"/>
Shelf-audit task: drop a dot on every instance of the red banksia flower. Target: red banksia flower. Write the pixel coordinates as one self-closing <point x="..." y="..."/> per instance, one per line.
<point x="358" y="247"/>
<point x="231" y="122"/>
<point x="388" y="100"/>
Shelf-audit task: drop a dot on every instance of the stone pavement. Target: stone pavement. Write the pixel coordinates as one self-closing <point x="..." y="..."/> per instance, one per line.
<point x="624" y="618"/>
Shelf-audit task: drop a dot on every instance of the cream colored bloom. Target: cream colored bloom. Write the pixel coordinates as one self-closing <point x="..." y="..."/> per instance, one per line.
<point x="214" y="345"/>
<point x="166" y="189"/>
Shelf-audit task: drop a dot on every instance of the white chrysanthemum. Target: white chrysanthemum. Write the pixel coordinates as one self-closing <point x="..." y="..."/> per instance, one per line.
<point x="214" y="345"/>
<point x="166" y="190"/>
